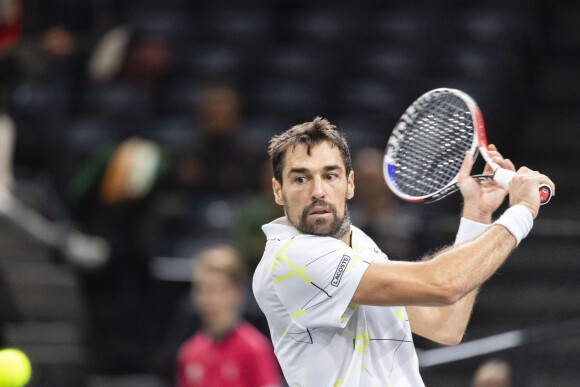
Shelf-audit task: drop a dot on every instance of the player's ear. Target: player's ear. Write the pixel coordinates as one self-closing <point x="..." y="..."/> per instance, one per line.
<point x="350" y="185"/>
<point x="277" y="188"/>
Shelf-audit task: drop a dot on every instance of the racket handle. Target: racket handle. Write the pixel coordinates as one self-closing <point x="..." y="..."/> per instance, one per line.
<point x="545" y="193"/>
<point x="504" y="176"/>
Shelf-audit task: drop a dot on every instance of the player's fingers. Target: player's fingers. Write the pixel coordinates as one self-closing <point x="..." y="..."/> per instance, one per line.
<point x="487" y="170"/>
<point x="507" y="164"/>
<point x="504" y="163"/>
<point x="465" y="169"/>
<point x="524" y="170"/>
<point x="546" y="180"/>
<point x="497" y="158"/>
<point x="492" y="148"/>
<point x="493" y="152"/>
<point x="537" y="177"/>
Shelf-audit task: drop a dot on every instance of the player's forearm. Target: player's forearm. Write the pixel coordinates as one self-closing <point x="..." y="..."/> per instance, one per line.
<point x="447" y="324"/>
<point x="445" y="279"/>
<point x="453" y="319"/>
<point x="465" y="267"/>
<point x="443" y="324"/>
<point x="441" y="281"/>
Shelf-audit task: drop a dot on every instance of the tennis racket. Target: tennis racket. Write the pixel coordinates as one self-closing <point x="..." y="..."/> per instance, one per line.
<point x="428" y="144"/>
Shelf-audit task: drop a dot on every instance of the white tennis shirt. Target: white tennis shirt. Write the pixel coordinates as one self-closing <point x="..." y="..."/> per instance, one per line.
<point x="304" y="284"/>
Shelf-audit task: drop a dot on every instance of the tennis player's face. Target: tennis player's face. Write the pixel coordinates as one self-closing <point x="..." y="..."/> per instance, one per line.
<point x="315" y="189"/>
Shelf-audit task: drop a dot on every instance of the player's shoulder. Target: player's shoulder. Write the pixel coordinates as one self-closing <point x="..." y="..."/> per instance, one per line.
<point x="308" y="246"/>
<point x="288" y="240"/>
<point x="278" y="229"/>
<point x="361" y="240"/>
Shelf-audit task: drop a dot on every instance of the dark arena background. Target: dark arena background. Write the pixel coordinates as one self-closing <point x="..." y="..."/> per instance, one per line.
<point x="134" y="132"/>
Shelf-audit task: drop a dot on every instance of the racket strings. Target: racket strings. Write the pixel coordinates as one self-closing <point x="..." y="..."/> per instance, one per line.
<point x="434" y="145"/>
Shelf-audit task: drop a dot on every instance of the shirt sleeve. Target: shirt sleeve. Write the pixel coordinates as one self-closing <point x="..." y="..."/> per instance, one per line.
<point x="315" y="278"/>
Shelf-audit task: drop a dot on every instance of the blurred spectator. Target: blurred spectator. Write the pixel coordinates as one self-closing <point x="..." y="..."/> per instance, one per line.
<point x="110" y="197"/>
<point x="57" y="42"/>
<point x="148" y="60"/>
<point x="42" y="71"/>
<point x="215" y="164"/>
<point x="493" y="373"/>
<point x="58" y="35"/>
<point x="10" y="34"/>
<point x="10" y="24"/>
<point x="253" y="212"/>
<point x="380" y="214"/>
<point x="140" y="58"/>
<point x="226" y="352"/>
<point x="108" y="55"/>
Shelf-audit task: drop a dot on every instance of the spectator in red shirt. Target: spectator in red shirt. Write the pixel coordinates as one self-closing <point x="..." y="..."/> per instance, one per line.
<point x="227" y="352"/>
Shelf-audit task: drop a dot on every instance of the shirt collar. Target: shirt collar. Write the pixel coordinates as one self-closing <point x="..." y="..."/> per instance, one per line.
<point x="279" y="229"/>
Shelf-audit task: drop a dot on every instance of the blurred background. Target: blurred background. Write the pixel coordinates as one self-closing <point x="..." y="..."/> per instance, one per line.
<point x="134" y="133"/>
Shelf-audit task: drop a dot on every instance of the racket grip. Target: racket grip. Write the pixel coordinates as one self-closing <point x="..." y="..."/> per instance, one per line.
<point x="504" y="176"/>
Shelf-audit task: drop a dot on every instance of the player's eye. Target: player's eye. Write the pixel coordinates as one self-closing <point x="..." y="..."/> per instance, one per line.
<point x="331" y="176"/>
<point x="300" y="179"/>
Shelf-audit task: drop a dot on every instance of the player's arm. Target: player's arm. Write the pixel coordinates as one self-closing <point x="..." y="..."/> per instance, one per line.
<point x="444" y="280"/>
<point x="453" y="273"/>
<point x="447" y="324"/>
<point x="443" y="324"/>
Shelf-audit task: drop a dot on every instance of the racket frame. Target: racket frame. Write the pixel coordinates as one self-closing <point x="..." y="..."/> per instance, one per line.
<point x="398" y="134"/>
<point x="479" y="145"/>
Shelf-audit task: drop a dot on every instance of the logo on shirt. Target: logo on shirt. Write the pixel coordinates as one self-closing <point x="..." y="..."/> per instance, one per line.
<point x="340" y="270"/>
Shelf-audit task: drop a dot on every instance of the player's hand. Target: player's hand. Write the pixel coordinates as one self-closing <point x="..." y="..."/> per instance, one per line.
<point x="482" y="197"/>
<point x="524" y="189"/>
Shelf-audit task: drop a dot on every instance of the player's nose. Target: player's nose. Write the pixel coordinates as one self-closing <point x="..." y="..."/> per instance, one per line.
<point x="318" y="188"/>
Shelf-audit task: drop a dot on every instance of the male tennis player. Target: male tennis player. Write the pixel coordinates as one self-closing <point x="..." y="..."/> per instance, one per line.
<point x="340" y="313"/>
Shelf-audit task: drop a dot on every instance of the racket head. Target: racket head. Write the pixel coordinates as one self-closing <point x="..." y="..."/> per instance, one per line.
<point x="428" y="144"/>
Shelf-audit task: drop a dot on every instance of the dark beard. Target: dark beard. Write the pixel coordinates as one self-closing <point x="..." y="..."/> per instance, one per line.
<point x="336" y="228"/>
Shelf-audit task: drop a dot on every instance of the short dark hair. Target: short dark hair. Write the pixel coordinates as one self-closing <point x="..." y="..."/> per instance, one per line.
<point x="309" y="133"/>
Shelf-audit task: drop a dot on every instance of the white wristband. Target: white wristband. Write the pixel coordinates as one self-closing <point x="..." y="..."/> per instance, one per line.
<point x="468" y="230"/>
<point x="518" y="220"/>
